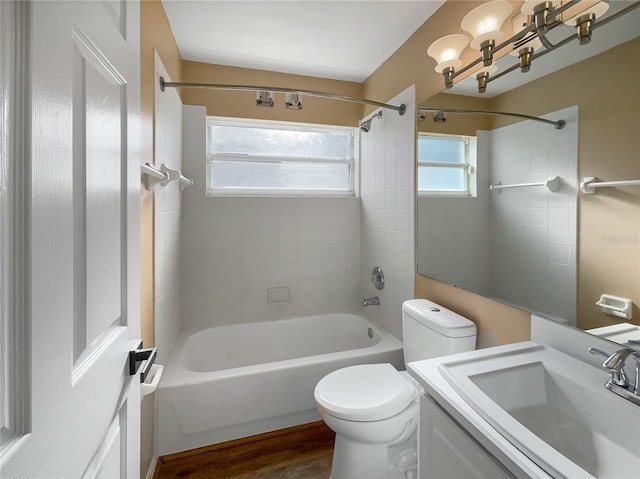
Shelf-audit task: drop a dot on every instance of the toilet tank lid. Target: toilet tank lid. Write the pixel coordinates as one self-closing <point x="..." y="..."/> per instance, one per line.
<point x="439" y="318"/>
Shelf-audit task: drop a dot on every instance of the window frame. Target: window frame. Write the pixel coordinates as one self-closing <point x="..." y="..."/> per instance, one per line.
<point x="469" y="167"/>
<point x="351" y="161"/>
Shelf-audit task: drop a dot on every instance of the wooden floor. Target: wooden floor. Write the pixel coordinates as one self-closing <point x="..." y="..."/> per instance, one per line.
<point x="301" y="452"/>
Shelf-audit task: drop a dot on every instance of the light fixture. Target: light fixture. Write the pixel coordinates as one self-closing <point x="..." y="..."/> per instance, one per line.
<point x="482" y="76"/>
<point x="484" y="23"/>
<point x="529" y="5"/>
<point x="586" y="19"/>
<point x="446" y="51"/>
<point x="530" y="28"/>
<point x="541" y="16"/>
<point x="598" y="8"/>
<point x="525" y="55"/>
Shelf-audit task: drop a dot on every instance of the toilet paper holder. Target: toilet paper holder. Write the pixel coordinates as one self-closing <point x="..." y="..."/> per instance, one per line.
<point x="615" y="306"/>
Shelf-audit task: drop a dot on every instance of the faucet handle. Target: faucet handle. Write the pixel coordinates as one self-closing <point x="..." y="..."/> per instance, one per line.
<point x="636" y="387"/>
<point x="615" y="364"/>
<point x="598" y="351"/>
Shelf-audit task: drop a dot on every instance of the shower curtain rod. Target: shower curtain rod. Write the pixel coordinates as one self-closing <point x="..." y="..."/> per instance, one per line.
<point x="559" y="125"/>
<point x="216" y="86"/>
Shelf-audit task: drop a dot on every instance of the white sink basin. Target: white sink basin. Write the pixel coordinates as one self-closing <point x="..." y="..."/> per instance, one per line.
<point x="553" y="408"/>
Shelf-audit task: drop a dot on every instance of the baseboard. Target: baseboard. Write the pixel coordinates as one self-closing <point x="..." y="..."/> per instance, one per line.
<point x="152" y="467"/>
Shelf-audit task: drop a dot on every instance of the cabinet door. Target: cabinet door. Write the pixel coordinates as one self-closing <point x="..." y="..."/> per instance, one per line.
<point x="448" y="452"/>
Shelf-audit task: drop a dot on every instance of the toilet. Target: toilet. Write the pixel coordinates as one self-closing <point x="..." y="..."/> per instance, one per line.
<point x="373" y="408"/>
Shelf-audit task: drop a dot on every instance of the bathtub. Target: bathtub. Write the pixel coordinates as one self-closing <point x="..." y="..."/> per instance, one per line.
<point x="234" y="381"/>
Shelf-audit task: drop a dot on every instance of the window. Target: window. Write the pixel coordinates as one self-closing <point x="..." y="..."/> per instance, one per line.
<point x="269" y="158"/>
<point x="446" y="165"/>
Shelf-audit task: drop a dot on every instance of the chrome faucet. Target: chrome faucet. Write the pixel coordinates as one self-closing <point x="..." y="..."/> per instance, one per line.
<point x="618" y="382"/>
<point x="373" y="301"/>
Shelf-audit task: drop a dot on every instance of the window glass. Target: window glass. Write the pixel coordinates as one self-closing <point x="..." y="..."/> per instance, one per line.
<point x="441" y="149"/>
<point x="446" y="165"/>
<point x="445" y="179"/>
<point x="282" y="175"/>
<point x="275" y="158"/>
<point x="261" y="140"/>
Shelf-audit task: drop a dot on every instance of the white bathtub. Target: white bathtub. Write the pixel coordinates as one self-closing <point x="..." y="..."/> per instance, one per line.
<point x="234" y="381"/>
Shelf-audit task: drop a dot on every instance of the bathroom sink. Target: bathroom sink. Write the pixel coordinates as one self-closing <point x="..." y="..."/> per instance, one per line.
<point x="553" y="408"/>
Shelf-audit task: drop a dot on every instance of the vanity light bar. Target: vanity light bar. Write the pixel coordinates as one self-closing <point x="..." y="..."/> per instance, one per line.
<point x="545" y="18"/>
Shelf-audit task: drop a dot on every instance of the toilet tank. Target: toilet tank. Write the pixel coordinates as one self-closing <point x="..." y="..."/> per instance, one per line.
<point x="430" y="330"/>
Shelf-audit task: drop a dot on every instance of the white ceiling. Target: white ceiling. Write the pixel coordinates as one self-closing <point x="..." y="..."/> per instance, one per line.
<point x="342" y="40"/>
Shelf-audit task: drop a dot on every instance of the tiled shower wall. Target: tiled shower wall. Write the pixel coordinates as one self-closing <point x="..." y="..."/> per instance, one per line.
<point x="236" y="249"/>
<point x="534" y="230"/>
<point x="387" y="224"/>
<point x="168" y="150"/>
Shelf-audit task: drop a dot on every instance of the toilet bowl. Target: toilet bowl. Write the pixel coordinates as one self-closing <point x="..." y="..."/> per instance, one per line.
<point x="374" y="409"/>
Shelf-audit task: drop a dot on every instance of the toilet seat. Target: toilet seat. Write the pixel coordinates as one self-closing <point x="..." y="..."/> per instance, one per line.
<point x="366" y="392"/>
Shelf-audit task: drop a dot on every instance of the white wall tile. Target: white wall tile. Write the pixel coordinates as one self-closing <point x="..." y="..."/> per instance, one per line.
<point x="386" y="229"/>
<point x="540" y="255"/>
<point x="168" y="147"/>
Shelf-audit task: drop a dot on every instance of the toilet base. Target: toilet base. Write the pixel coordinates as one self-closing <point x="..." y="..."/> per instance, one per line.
<point x="356" y="460"/>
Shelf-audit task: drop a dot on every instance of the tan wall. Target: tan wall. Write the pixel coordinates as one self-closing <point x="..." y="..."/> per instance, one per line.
<point x="607" y="89"/>
<point x="457" y="124"/>
<point x="497" y="323"/>
<point x="242" y="104"/>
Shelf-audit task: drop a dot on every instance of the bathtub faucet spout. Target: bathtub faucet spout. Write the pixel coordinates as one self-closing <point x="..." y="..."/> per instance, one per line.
<point x="374" y="301"/>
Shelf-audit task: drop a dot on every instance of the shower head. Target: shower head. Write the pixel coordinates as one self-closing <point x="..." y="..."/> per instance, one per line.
<point x="365" y="126"/>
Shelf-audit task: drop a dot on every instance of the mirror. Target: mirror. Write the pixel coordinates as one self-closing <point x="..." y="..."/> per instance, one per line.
<point x="549" y="252"/>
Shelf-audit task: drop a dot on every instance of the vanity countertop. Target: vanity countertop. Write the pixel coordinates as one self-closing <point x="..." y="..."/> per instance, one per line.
<point x="537" y="410"/>
<point x="428" y="375"/>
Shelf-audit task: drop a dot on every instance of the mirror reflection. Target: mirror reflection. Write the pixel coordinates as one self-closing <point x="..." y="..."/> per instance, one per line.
<point x="540" y="245"/>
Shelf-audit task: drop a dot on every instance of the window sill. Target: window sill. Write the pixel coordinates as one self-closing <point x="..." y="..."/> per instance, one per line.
<point x="445" y="194"/>
<point x="240" y="193"/>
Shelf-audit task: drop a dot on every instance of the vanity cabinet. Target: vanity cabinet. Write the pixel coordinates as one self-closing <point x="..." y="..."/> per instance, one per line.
<point x="447" y="451"/>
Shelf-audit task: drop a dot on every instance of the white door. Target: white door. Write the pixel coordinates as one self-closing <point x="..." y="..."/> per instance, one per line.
<point x="80" y="406"/>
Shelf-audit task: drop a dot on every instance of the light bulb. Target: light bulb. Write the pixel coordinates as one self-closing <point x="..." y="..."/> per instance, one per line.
<point x="446" y="51"/>
<point x="484" y="21"/>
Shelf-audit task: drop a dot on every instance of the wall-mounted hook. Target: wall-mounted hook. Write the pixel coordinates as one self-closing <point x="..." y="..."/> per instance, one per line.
<point x="152" y="176"/>
<point x="171" y="175"/>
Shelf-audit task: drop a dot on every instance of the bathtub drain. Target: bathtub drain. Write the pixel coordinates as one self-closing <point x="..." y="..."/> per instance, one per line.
<point x="370" y="333"/>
